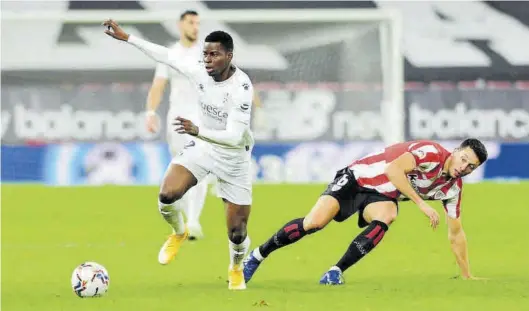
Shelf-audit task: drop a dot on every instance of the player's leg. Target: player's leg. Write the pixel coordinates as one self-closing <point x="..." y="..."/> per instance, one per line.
<point x="177" y="143"/>
<point x="185" y="171"/>
<point x="325" y="209"/>
<point x="236" y="193"/>
<point x="195" y="199"/>
<point x="378" y="216"/>
<point x="176" y="182"/>
<point x="320" y="215"/>
<point x="334" y="203"/>
<point x="239" y="242"/>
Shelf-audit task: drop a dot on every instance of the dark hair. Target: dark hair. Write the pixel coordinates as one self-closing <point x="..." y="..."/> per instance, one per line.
<point x="186" y="13"/>
<point x="478" y="148"/>
<point x="221" y="37"/>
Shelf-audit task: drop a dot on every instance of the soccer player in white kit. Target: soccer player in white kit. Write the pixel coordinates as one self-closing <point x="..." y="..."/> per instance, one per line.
<point x="183" y="102"/>
<point x="222" y="146"/>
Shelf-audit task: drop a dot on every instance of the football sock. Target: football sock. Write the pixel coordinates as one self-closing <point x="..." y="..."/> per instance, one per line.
<point x="290" y="233"/>
<point x="363" y="244"/>
<point x="238" y="251"/>
<point x="172" y="213"/>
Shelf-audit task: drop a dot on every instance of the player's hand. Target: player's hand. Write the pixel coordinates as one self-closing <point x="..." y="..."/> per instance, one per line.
<point x="430" y="213"/>
<point x="152" y="122"/>
<point x="115" y="31"/>
<point x="185" y="126"/>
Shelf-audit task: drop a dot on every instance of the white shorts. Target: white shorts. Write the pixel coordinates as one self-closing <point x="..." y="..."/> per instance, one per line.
<point x="176" y="141"/>
<point x="234" y="182"/>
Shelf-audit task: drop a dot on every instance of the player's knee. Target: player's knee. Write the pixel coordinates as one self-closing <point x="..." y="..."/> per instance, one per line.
<point x="388" y="216"/>
<point x="237" y="234"/>
<point x="312" y="224"/>
<point x="169" y="197"/>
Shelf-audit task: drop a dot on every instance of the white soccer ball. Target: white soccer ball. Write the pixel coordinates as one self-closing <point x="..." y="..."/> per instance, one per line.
<point x="90" y="279"/>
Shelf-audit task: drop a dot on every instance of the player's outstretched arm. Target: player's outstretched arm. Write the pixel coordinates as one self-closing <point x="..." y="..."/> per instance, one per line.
<point x="396" y="172"/>
<point x="458" y="243"/>
<point x="157" y="52"/>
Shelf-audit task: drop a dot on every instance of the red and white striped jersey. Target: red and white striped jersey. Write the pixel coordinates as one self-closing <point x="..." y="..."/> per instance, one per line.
<point x="427" y="178"/>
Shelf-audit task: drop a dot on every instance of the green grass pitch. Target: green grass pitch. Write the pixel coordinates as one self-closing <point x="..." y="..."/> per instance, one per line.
<point x="47" y="232"/>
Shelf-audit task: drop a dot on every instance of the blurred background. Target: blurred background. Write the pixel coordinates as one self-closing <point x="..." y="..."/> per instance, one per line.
<point x="333" y="86"/>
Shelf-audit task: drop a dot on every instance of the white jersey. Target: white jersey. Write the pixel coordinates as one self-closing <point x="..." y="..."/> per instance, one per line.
<point x="225" y="106"/>
<point x="183" y="99"/>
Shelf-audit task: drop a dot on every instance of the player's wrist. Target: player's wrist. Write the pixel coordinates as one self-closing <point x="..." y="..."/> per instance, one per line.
<point x="150" y="112"/>
<point x="421" y="203"/>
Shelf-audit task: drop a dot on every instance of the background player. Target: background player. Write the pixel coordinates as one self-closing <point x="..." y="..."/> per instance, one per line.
<point x="419" y="171"/>
<point x="183" y="102"/>
<point x="225" y="94"/>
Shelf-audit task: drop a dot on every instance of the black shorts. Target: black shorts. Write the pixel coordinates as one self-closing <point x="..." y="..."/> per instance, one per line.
<point x="352" y="197"/>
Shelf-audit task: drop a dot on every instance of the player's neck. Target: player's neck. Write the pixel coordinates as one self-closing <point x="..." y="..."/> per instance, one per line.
<point x="225" y="75"/>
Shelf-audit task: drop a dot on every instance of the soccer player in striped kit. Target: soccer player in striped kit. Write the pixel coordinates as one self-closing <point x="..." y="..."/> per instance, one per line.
<point x="372" y="186"/>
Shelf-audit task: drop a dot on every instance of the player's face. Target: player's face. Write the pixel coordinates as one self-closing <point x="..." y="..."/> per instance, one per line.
<point x="189" y="27"/>
<point x="464" y="162"/>
<point x="216" y="58"/>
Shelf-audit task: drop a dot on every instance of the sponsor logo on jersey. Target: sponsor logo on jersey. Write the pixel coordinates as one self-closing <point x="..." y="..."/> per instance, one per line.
<point x="413" y="179"/>
<point x="214" y="112"/>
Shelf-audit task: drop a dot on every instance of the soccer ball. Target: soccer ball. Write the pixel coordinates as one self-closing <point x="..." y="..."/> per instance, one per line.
<point x="90" y="279"/>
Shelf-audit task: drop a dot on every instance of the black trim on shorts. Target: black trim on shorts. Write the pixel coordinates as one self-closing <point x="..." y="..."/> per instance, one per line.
<point x="352" y="197"/>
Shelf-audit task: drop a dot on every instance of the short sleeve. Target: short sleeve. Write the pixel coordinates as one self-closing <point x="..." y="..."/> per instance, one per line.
<point x="452" y="205"/>
<point x="427" y="156"/>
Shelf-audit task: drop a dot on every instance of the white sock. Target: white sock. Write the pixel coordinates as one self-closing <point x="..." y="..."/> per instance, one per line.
<point x="238" y="251"/>
<point x="195" y="201"/>
<point x="172" y="213"/>
<point x="257" y="254"/>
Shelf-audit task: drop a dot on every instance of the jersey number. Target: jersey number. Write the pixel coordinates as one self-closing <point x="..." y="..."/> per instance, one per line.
<point x="340" y="183"/>
<point x="343" y="181"/>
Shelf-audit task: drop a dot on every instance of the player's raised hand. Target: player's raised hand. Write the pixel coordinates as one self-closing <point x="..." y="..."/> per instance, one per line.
<point x="185" y="126"/>
<point x="115" y="31"/>
<point x="430" y="213"/>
